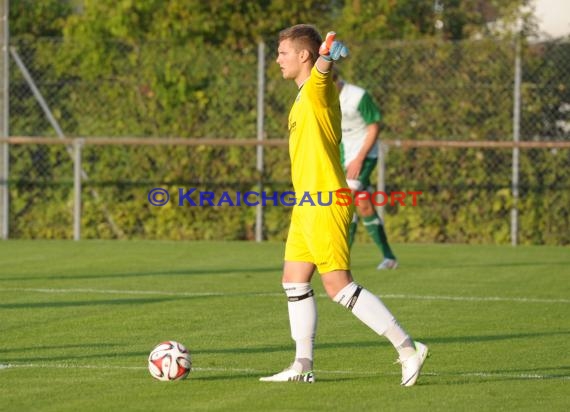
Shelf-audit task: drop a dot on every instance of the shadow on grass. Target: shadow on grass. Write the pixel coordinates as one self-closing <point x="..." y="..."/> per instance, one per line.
<point x="70" y="358"/>
<point x="187" y="271"/>
<point x="217" y="376"/>
<point x="66" y="354"/>
<point x="233" y="376"/>
<point x="288" y="348"/>
<point x="63" y="347"/>
<point x="380" y="342"/>
<point x="124" y="301"/>
<point x="490" y="338"/>
<point x="493" y="264"/>
<point x="71" y="303"/>
<point x="143" y="355"/>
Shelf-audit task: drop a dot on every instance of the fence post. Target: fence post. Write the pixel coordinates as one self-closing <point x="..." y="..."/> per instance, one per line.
<point x="260" y="137"/>
<point x="4" y="122"/>
<point x="381" y="183"/>
<point x="516" y="139"/>
<point x="77" y="175"/>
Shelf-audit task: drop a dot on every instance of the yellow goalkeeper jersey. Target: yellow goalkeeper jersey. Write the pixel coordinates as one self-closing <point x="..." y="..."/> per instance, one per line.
<point x="315" y="135"/>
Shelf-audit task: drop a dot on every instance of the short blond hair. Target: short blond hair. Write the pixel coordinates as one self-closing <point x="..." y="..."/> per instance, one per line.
<point x="304" y="37"/>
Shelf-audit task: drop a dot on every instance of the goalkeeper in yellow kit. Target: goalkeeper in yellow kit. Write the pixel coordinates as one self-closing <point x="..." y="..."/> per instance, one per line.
<point x="318" y="234"/>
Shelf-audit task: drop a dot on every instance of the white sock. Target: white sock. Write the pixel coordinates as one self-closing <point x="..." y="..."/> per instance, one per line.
<point x="401" y="341"/>
<point x="302" y="308"/>
<point x="373" y="313"/>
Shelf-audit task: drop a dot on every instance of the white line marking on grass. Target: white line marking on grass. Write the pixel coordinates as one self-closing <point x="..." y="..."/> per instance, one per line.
<point x="529" y="376"/>
<point x="271" y="294"/>
<point x="507" y="375"/>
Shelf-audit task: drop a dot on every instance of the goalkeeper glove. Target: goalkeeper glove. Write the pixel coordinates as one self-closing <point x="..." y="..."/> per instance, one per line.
<point x="332" y="49"/>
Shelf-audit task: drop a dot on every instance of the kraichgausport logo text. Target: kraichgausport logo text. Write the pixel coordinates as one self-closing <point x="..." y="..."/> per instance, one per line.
<point x="342" y="197"/>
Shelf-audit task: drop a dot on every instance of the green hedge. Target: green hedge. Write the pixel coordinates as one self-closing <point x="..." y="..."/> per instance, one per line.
<point x="427" y="91"/>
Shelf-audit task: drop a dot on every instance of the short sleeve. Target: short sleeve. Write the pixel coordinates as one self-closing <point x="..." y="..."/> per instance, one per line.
<point x="369" y="110"/>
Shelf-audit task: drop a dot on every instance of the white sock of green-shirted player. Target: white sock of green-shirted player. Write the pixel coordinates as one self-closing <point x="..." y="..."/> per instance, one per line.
<point x="302" y="308"/>
<point x="373" y="313"/>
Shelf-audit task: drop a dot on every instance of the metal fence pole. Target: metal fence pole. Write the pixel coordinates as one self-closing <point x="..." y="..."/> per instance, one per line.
<point x="77" y="175"/>
<point x="39" y="97"/>
<point x="381" y="183"/>
<point x="5" y="122"/>
<point x="260" y="137"/>
<point x="516" y="139"/>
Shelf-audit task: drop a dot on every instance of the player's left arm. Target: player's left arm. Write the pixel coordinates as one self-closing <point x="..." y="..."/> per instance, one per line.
<point x="372" y="116"/>
<point x="355" y="166"/>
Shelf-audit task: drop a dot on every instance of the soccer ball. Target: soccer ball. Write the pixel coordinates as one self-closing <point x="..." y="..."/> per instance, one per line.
<point x="169" y="361"/>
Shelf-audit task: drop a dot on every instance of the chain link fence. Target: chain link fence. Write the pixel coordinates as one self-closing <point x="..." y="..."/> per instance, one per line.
<point x="429" y="91"/>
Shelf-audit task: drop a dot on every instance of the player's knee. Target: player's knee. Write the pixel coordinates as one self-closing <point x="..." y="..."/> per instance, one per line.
<point x="298" y="291"/>
<point x="329" y="289"/>
<point x="334" y="284"/>
<point x="348" y="295"/>
<point x="330" y="293"/>
<point x="365" y="209"/>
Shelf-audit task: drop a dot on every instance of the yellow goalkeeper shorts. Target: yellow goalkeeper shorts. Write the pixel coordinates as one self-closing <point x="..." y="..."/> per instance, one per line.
<point x="318" y="234"/>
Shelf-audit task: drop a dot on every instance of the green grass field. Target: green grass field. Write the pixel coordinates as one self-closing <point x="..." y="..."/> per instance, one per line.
<point x="78" y="319"/>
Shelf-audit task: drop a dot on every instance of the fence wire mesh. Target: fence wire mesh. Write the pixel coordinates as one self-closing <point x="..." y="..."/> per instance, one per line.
<point x="426" y="90"/>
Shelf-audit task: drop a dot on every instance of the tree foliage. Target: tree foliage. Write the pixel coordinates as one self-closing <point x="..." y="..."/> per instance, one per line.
<point x="32" y="18"/>
<point x="238" y="24"/>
